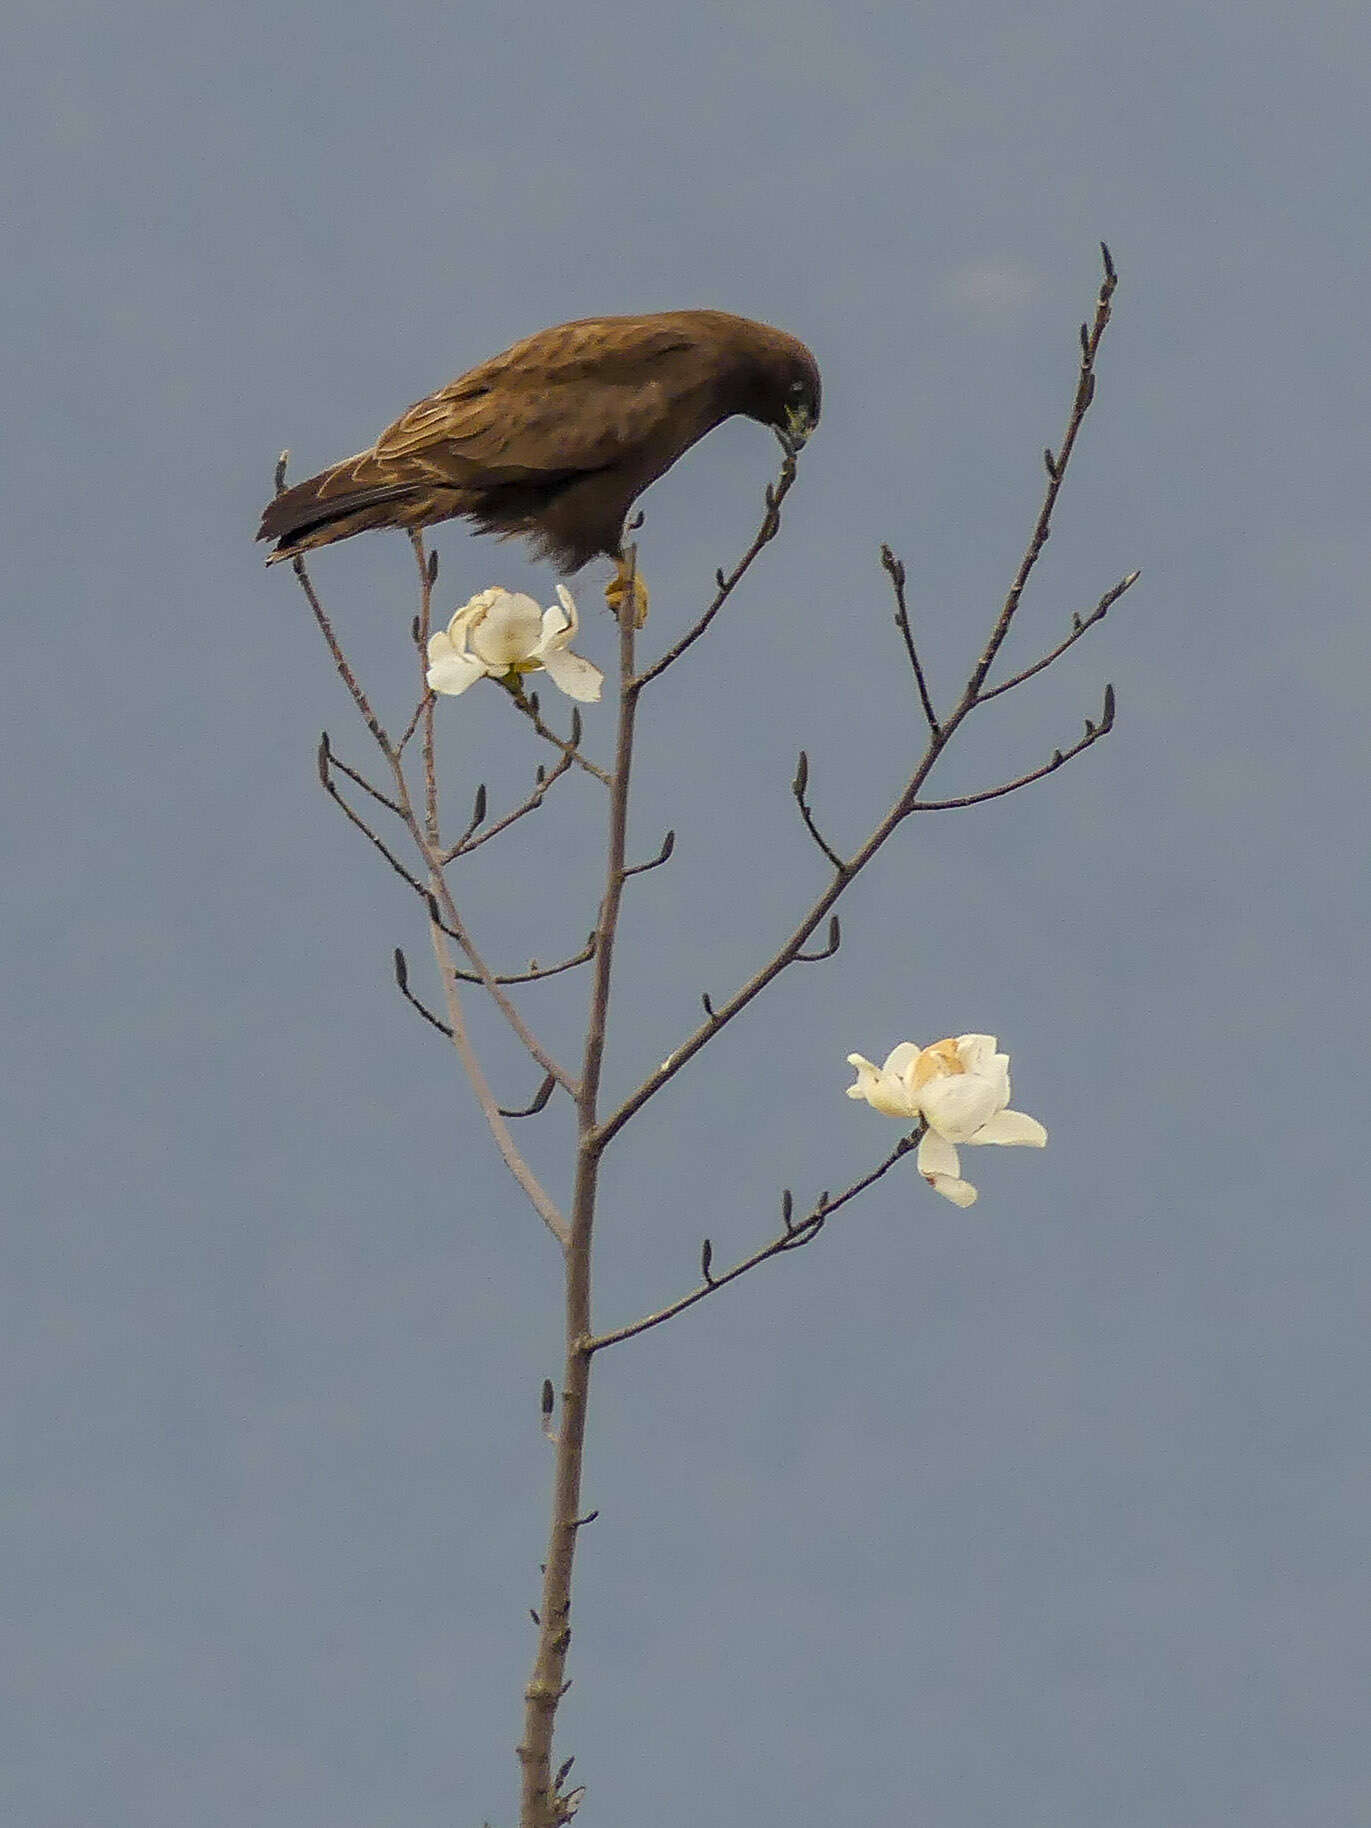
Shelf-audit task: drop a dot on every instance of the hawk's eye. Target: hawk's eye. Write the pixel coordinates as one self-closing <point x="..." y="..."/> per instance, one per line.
<point x="798" y="389"/>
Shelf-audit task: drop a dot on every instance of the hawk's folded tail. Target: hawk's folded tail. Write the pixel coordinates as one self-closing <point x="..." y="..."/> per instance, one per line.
<point x="324" y="508"/>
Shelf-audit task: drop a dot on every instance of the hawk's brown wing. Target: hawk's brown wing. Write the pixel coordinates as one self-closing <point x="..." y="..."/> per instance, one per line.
<point x="555" y="438"/>
<point x="580" y="397"/>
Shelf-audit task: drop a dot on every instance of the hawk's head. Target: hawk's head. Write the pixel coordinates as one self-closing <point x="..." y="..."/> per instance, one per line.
<point x="785" y="391"/>
<point x="802" y="401"/>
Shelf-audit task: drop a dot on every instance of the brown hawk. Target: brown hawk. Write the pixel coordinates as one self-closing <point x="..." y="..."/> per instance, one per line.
<point x="555" y="439"/>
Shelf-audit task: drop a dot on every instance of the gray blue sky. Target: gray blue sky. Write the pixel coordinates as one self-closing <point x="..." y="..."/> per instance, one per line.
<point x="1049" y="1512"/>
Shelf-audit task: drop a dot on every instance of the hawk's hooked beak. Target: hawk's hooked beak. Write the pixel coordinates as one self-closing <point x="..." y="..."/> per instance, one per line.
<point x="798" y="426"/>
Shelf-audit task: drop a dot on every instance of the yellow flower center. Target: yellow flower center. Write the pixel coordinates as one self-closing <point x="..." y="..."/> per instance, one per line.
<point x="936" y="1062"/>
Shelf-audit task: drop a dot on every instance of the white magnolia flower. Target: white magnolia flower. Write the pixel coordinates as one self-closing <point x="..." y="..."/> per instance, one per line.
<point x="505" y="634"/>
<point x="960" y="1088"/>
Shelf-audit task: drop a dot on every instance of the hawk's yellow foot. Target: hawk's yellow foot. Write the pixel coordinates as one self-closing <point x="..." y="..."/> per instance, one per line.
<point x="617" y="591"/>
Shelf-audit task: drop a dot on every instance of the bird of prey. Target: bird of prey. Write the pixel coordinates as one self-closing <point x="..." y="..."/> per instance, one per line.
<point x="555" y="439"/>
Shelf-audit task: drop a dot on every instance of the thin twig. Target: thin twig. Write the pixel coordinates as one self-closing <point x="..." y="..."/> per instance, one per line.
<point x="537" y="1195"/>
<point x="437" y="894"/>
<point x="424" y="704"/>
<point x="467" y="843"/>
<point x="361" y="780"/>
<point x="793" y="1236"/>
<point x="654" y="863"/>
<point x="402" y="980"/>
<point x="428" y="575"/>
<point x="718" y="1016"/>
<point x="725" y="585"/>
<point x="540" y="1098"/>
<point x="488" y="980"/>
<point x="798" y="787"/>
<point x="835" y="936"/>
<point x="451" y="924"/>
<point x="536" y="972"/>
<point x="522" y="702"/>
<point x="1093" y="733"/>
<point x="895" y="571"/>
<point x="1080" y="625"/>
<point x="325" y="758"/>
<point x="478" y="817"/>
<point x="349" y="678"/>
<point x="1091" y="335"/>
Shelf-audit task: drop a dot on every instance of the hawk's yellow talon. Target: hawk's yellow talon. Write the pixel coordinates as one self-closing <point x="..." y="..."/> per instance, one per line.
<point x="617" y="590"/>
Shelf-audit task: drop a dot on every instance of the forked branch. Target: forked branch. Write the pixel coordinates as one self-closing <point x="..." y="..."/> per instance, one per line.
<point x="1093" y="732"/>
<point x="940" y="734"/>
<point x="1080" y="625"/>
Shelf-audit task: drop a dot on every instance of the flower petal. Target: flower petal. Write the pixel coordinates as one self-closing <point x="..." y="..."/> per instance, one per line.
<point x="576" y="677"/>
<point x="1011" y="1127"/>
<point x="568" y="603"/>
<point x="508" y="632"/>
<point x="880" y="1091"/>
<point x="472" y="612"/>
<point x="959" y="1105"/>
<point x="961" y="1193"/>
<point x="940" y="1167"/>
<point x="902" y="1056"/>
<point x="975" y="1050"/>
<point x="451" y="672"/>
<point x="557" y="631"/>
<point x="977" y="1054"/>
<point x="937" y="1156"/>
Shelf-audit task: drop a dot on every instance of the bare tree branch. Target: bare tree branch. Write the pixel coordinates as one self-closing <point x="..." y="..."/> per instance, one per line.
<point x="835" y="934"/>
<point x="425" y="704"/>
<point x="428" y="577"/>
<point x="895" y="571"/>
<point x="345" y="672"/>
<point x="1091" y="335"/>
<point x="547" y="1684"/>
<point x="654" y="863"/>
<point x="797" y="788"/>
<point x="337" y="762"/>
<point x="793" y="1236"/>
<point x="540" y="1098"/>
<point x="478" y="817"/>
<point x="907" y="801"/>
<point x="1093" y="733"/>
<point x="537" y="1195"/>
<point x="402" y="980"/>
<point x="725" y="585"/>
<point x="326" y="758"/>
<point x="1080" y="625"/>
<point x="467" y="843"/>
<point x="455" y="926"/>
<point x="528" y="705"/>
<point x="788" y="953"/>
<point x="536" y="972"/>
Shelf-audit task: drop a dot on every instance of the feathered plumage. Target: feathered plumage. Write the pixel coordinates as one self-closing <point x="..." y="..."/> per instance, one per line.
<point x="555" y="439"/>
